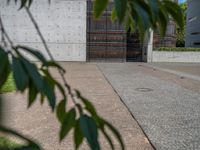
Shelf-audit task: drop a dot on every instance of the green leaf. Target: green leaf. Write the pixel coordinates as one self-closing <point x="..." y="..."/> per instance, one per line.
<point x="34" y="74"/>
<point x="116" y="133"/>
<point x="54" y="64"/>
<point x="32" y="94"/>
<point x="163" y="20"/>
<point x="29" y="3"/>
<point x="4" y="66"/>
<point x="154" y="6"/>
<point x="88" y="105"/>
<point x="49" y="92"/>
<point x="99" y="7"/>
<point x="61" y="110"/>
<point x="28" y="147"/>
<point x="78" y="135"/>
<point x="143" y="12"/>
<point x="120" y="6"/>
<point x="108" y="138"/>
<point x="114" y="15"/>
<point x="16" y="134"/>
<point x="19" y="74"/>
<point x="68" y="123"/>
<point x="59" y="86"/>
<point x="23" y="4"/>
<point x="89" y="129"/>
<point x="41" y="98"/>
<point x="35" y="53"/>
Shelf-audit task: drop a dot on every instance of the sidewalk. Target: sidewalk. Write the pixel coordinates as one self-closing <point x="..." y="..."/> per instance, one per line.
<point x="38" y="122"/>
<point x="166" y="105"/>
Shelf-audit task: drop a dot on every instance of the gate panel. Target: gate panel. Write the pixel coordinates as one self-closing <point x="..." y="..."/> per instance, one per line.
<point x="106" y="40"/>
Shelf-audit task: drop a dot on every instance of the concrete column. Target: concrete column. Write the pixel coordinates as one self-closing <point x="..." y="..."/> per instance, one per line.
<point x="148" y="46"/>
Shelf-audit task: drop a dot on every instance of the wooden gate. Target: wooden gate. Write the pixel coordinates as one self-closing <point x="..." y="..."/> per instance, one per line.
<point x="106" y="40"/>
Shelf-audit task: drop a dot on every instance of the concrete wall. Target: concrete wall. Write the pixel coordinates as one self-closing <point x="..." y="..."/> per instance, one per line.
<point x="193" y="24"/>
<point x="175" y="56"/>
<point x="63" y="24"/>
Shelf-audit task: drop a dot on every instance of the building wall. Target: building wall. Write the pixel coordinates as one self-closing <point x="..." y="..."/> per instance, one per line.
<point x="193" y="24"/>
<point x="63" y="24"/>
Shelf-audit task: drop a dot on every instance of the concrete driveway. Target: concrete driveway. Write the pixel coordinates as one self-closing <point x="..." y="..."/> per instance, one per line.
<point x="164" y="99"/>
<point x="39" y="123"/>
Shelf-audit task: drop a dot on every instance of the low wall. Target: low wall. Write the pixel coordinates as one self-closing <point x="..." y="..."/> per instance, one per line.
<point x="163" y="56"/>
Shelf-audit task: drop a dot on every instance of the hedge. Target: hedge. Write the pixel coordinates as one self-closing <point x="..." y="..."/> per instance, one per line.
<point x="178" y="49"/>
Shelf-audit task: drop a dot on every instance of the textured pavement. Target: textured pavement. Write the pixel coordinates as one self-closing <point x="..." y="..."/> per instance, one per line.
<point x="166" y="105"/>
<point x="39" y="123"/>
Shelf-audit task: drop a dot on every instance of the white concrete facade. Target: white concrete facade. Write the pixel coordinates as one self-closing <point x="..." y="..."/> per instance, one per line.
<point x="63" y="24"/>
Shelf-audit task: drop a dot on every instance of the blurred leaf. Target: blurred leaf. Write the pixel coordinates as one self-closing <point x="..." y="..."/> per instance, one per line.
<point x="89" y="129"/>
<point x="108" y="138"/>
<point x="99" y="7"/>
<point x="32" y="94"/>
<point x="19" y="74"/>
<point x="78" y="135"/>
<point x="163" y="20"/>
<point x="31" y="143"/>
<point x="4" y="67"/>
<point x="41" y="98"/>
<point x="54" y="64"/>
<point x="28" y="147"/>
<point x="116" y="133"/>
<point x="23" y="3"/>
<point x="154" y="6"/>
<point x="61" y="110"/>
<point x="35" y="53"/>
<point x="114" y="15"/>
<point x="50" y="92"/>
<point x="88" y="105"/>
<point x="59" y="86"/>
<point x="68" y="123"/>
<point x="34" y="74"/>
<point x="120" y="7"/>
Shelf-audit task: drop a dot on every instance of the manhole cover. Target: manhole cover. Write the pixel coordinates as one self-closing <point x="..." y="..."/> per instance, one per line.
<point x="144" y="89"/>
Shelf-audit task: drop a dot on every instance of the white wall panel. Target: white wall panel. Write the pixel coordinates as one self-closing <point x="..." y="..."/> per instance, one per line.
<point x="63" y="24"/>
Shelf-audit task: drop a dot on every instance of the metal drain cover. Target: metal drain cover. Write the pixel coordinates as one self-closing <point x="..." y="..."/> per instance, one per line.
<point x="144" y="89"/>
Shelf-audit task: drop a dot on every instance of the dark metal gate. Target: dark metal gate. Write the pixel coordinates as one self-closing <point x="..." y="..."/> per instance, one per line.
<point x="134" y="48"/>
<point x="106" y="40"/>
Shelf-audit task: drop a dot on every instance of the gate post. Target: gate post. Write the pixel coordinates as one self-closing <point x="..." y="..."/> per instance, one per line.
<point x="147" y="51"/>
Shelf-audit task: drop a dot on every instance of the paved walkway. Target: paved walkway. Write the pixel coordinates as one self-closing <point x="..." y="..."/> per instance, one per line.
<point x="166" y="105"/>
<point x="39" y="123"/>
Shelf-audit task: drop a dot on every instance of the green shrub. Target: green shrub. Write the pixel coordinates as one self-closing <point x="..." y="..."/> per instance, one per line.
<point x="177" y="49"/>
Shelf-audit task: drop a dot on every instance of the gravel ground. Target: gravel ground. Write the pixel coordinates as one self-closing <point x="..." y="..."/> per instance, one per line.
<point x="166" y="105"/>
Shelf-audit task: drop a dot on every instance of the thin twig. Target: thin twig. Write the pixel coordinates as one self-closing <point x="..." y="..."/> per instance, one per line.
<point x="49" y="53"/>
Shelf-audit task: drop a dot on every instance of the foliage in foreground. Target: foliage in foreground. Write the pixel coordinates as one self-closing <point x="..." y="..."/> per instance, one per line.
<point x="82" y="118"/>
<point x="7" y="144"/>
<point x="9" y="86"/>
<point x="180" y="34"/>
<point x="177" y="49"/>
